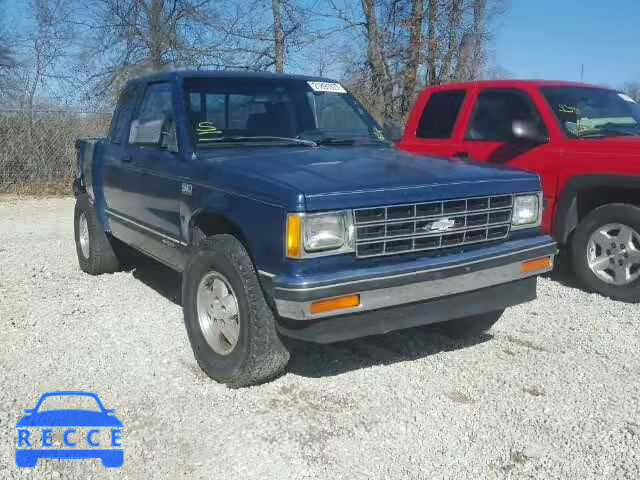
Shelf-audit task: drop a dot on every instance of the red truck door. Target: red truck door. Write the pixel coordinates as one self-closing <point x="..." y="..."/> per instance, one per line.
<point x="435" y="122"/>
<point x="488" y="136"/>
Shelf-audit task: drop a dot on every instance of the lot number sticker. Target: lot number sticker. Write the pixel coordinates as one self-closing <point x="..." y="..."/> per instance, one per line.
<point x="327" y="87"/>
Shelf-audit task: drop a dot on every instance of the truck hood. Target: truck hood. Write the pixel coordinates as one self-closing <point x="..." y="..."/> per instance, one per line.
<point x="360" y="176"/>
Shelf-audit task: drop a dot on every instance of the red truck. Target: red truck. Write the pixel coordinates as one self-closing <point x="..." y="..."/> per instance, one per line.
<point x="583" y="141"/>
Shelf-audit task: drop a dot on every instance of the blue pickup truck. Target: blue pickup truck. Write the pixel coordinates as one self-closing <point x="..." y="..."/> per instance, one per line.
<point x="290" y="214"/>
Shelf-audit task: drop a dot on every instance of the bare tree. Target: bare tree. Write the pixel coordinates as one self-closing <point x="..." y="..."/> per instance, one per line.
<point x="433" y="45"/>
<point x="48" y="43"/>
<point x="380" y="74"/>
<point x="262" y="36"/>
<point x="406" y="41"/>
<point x="387" y="49"/>
<point x="413" y="55"/>
<point x="6" y="59"/>
<point x="125" y="37"/>
<point x="479" y="38"/>
<point x="458" y="32"/>
<point x="452" y="26"/>
<point x="6" y="62"/>
<point x="278" y="35"/>
<point x="39" y="67"/>
<point x="493" y="71"/>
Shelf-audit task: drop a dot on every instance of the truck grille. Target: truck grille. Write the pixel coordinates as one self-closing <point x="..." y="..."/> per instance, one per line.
<point x="428" y="226"/>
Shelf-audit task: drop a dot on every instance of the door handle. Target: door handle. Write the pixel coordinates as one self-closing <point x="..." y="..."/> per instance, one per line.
<point x="461" y="155"/>
<point x="127" y="158"/>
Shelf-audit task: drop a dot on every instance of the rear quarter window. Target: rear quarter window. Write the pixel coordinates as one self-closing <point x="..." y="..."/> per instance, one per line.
<point x="440" y="114"/>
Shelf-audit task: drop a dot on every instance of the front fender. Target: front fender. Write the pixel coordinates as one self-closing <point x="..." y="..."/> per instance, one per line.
<point x="566" y="218"/>
<point x="261" y="224"/>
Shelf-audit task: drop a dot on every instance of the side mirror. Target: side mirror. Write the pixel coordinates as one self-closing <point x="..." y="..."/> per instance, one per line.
<point x="149" y="133"/>
<point x="392" y="130"/>
<point x="528" y="131"/>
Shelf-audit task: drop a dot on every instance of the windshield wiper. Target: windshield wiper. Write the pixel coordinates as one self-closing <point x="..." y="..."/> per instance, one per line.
<point x="259" y="138"/>
<point x="335" y="141"/>
<point x="346" y="141"/>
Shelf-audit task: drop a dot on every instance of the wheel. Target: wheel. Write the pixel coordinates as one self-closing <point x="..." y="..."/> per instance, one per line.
<point x="112" y="459"/>
<point x="26" y="459"/>
<point x="605" y="252"/>
<point x="95" y="252"/>
<point x="467" y="327"/>
<point x="231" y="328"/>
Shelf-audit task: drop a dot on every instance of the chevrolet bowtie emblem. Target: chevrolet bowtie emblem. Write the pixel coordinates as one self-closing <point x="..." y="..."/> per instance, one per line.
<point x="440" y="225"/>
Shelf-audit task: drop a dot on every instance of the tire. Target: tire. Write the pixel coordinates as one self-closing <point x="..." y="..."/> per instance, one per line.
<point x="98" y="256"/>
<point x="112" y="459"/>
<point x="468" y="327"/>
<point x="625" y="215"/>
<point x="26" y="459"/>
<point x="258" y="354"/>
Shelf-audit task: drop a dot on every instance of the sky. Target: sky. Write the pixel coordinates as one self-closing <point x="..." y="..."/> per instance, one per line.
<point x="551" y="39"/>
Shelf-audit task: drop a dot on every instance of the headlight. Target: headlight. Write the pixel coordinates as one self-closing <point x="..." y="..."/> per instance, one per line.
<point x="319" y="234"/>
<point x="527" y="211"/>
<point x="324" y="232"/>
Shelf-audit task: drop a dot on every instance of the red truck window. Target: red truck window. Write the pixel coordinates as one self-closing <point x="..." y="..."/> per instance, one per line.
<point x="440" y="114"/>
<point x="496" y="110"/>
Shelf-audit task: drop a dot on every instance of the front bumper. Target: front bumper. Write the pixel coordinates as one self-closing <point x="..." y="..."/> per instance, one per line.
<point x="421" y="285"/>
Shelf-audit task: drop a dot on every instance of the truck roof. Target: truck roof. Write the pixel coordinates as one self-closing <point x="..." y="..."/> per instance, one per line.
<point x="519" y="83"/>
<point x="179" y="74"/>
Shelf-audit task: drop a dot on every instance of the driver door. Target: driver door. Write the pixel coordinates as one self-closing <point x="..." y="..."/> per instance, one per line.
<point x="489" y="135"/>
<point x="151" y="166"/>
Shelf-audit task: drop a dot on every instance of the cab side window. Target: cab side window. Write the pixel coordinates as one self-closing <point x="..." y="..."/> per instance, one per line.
<point x="440" y="114"/>
<point x="494" y="114"/>
<point x="155" y="115"/>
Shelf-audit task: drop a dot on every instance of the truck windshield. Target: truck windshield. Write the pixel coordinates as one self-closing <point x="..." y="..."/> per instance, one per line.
<point x="587" y="112"/>
<point x="233" y="111"/>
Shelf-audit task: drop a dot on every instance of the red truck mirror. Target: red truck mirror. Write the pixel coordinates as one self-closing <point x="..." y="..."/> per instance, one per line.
<point x="528" y="131"/>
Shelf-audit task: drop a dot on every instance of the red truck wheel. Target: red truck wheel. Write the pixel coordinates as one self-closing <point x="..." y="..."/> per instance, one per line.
<point x="605" y="251"/>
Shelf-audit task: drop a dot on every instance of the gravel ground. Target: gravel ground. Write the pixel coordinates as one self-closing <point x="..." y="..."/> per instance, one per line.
<point x="553" y="392"/>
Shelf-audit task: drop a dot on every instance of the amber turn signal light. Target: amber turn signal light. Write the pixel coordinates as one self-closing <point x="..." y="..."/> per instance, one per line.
<point x="294" y="245"/>
<point x="529" y="266"/>
<point x="337" y="303"/>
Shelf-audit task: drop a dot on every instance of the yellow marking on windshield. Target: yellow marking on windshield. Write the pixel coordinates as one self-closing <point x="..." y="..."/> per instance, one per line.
<point x="207" y="128"/>
<point x="568" y="109"/>
<point x="378" y="134"/>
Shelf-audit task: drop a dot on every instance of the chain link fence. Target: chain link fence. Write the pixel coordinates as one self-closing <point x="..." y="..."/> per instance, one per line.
<point x="37" y="153"/>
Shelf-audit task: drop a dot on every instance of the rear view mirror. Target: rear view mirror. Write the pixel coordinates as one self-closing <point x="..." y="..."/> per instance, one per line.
<point x="528" y="131"/>
<point x="392" y="130"/>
